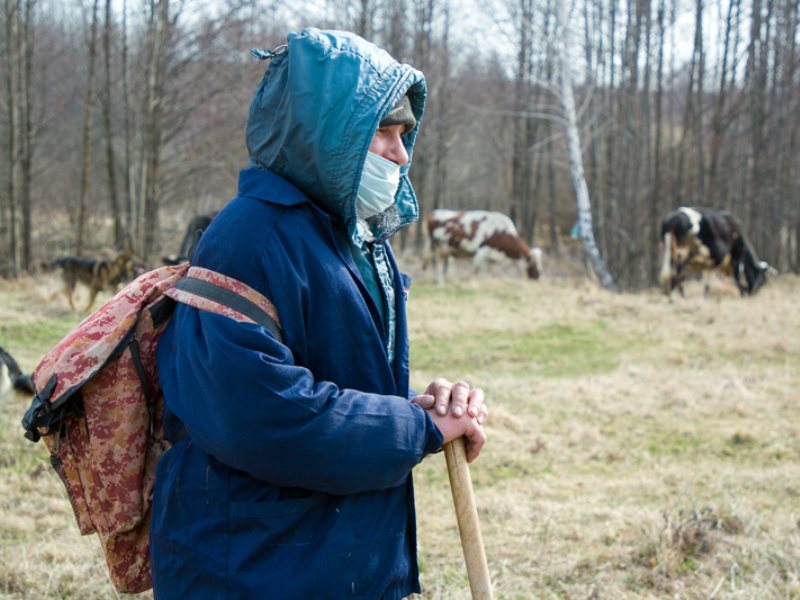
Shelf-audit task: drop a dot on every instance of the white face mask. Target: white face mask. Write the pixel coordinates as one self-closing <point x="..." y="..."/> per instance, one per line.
<point x="379" y="183"/>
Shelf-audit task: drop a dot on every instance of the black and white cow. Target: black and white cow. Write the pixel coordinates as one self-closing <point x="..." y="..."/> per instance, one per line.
<point x="484" y="236"/>
<point x="704" y="240"/>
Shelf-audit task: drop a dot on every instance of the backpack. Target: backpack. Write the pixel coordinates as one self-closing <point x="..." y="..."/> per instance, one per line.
<point x="99" y="406"/>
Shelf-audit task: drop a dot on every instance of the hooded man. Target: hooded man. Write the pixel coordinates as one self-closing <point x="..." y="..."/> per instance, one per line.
<point x="290" y="475"/>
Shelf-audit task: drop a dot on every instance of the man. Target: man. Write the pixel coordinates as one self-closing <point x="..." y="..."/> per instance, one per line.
<point x="291" y="472"/>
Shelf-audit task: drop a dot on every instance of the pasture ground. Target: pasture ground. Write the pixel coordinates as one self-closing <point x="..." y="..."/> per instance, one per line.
<point x="637" y="448"/>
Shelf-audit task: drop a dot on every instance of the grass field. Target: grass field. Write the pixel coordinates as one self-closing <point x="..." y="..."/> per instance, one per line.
<point x="637" y="449"/>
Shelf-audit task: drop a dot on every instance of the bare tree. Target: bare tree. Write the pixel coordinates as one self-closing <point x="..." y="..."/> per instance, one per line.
<point x="366" y="18"/>
<point x="520" y="155"/>
<point x="158" y="35"/>
<point x="8" y="217"/>
<point x="25" y="126"/>
<point x="127" y="172"/>
<point x="88" y="117"/>
<point x="397" y="30"/>
<point x="550" y="83"/>
<point x="423" y="41"/>
<point x="443" y="99"/>
<point x="657" y="203"/>
<point x="611" y="186"/>
<point x="15" y="204"/>
<point x="690" y="130"/>
<point x="113" y="200"/>
<point x="648" y="231"/>
<point x="756" y="82"/>
<point x="719" y="121"/>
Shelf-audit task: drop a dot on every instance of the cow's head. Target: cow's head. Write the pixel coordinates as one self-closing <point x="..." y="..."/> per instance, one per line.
<point x="534" y="263"/>
<point x="759" y="275"/>
<point x="759" y="279"/>
<point x="755" y="274"/>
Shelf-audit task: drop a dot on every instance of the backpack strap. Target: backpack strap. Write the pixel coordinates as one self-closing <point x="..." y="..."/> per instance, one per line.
<point x="208" y="290"/>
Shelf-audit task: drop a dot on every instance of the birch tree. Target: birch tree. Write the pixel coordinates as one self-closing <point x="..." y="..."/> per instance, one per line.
<point x="564" y="45"/>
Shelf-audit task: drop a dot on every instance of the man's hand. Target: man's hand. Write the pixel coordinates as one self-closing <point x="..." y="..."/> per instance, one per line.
<point x="458" y="398"/>
<point x="457" y="410"/>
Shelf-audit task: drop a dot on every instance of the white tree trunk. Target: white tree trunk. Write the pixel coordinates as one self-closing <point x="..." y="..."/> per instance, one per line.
<point x="564" y="41"/>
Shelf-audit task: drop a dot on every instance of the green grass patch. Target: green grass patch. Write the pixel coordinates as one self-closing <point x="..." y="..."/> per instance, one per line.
<point x="554" y="350"/>
<point x="37" y="335"/>
<point x="678" y="443"/>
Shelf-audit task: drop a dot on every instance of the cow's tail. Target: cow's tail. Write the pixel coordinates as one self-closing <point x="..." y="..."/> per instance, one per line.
<point x="665" y="277"/>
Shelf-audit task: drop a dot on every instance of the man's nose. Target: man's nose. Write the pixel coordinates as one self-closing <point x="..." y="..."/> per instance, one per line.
<point x="395" y="150"/>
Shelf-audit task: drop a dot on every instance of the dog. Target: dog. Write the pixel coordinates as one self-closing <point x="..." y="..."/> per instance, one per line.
<point x="11" y="375"/>
<point x="194" y="230"/>
<point x="96" y="274"/>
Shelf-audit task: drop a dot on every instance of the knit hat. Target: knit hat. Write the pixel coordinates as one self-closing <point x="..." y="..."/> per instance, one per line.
<point x="400" y="115"/>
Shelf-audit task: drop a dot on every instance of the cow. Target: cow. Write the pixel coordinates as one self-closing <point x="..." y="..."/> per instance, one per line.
<point x="194" y="230"/>
<point x="706" y="240"/>
<point x="482" y="235"/>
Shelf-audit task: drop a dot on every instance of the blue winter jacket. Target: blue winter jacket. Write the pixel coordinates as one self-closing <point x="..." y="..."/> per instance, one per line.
<point x="294" y="477"/>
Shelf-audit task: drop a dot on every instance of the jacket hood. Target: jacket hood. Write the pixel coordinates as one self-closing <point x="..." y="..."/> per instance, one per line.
<point x="313" y="116"/>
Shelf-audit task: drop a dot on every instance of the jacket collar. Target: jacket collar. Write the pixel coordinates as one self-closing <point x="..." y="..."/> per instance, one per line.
<point x="265" y="185"/>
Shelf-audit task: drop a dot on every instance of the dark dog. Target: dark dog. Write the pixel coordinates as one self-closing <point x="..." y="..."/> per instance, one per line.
<point x="95" y="274"/>
<point x="194" y="230"/>
<point x="11" y="375"/>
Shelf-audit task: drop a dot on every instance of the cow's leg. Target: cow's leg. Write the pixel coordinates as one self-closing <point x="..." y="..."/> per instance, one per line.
<point x="676" y="281"/>
<point x="476" y="268"/>
<point x="667" y="275"/>
<point x="481" y="257"/>
<point x="736" y="271"/>
<point x="707" y="286"/>
<point x="440" y="269"/>
<point x="428" y="252"/>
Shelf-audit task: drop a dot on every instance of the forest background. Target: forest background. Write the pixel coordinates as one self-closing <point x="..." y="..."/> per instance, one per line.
<point x="120" y="119"/>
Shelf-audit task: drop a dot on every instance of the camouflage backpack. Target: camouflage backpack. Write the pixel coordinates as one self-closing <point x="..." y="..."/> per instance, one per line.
<point x="99" y="407"/>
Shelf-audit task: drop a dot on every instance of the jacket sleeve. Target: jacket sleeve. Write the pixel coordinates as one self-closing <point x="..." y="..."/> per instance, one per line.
<point x="244" y="401"/>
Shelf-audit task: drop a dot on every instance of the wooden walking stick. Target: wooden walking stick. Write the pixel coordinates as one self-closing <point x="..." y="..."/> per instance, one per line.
<point x="467" y="516"/>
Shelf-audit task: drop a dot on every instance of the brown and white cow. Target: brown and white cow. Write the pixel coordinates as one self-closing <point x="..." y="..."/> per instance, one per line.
<point x="705" y="240"/>
<point x="484" y="236"/>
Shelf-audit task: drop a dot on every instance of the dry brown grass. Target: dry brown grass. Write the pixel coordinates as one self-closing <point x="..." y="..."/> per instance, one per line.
<point x="638" y="449"/>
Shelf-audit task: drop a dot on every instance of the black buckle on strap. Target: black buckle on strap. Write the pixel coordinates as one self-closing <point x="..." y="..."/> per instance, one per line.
<point x="40" y="413"/>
